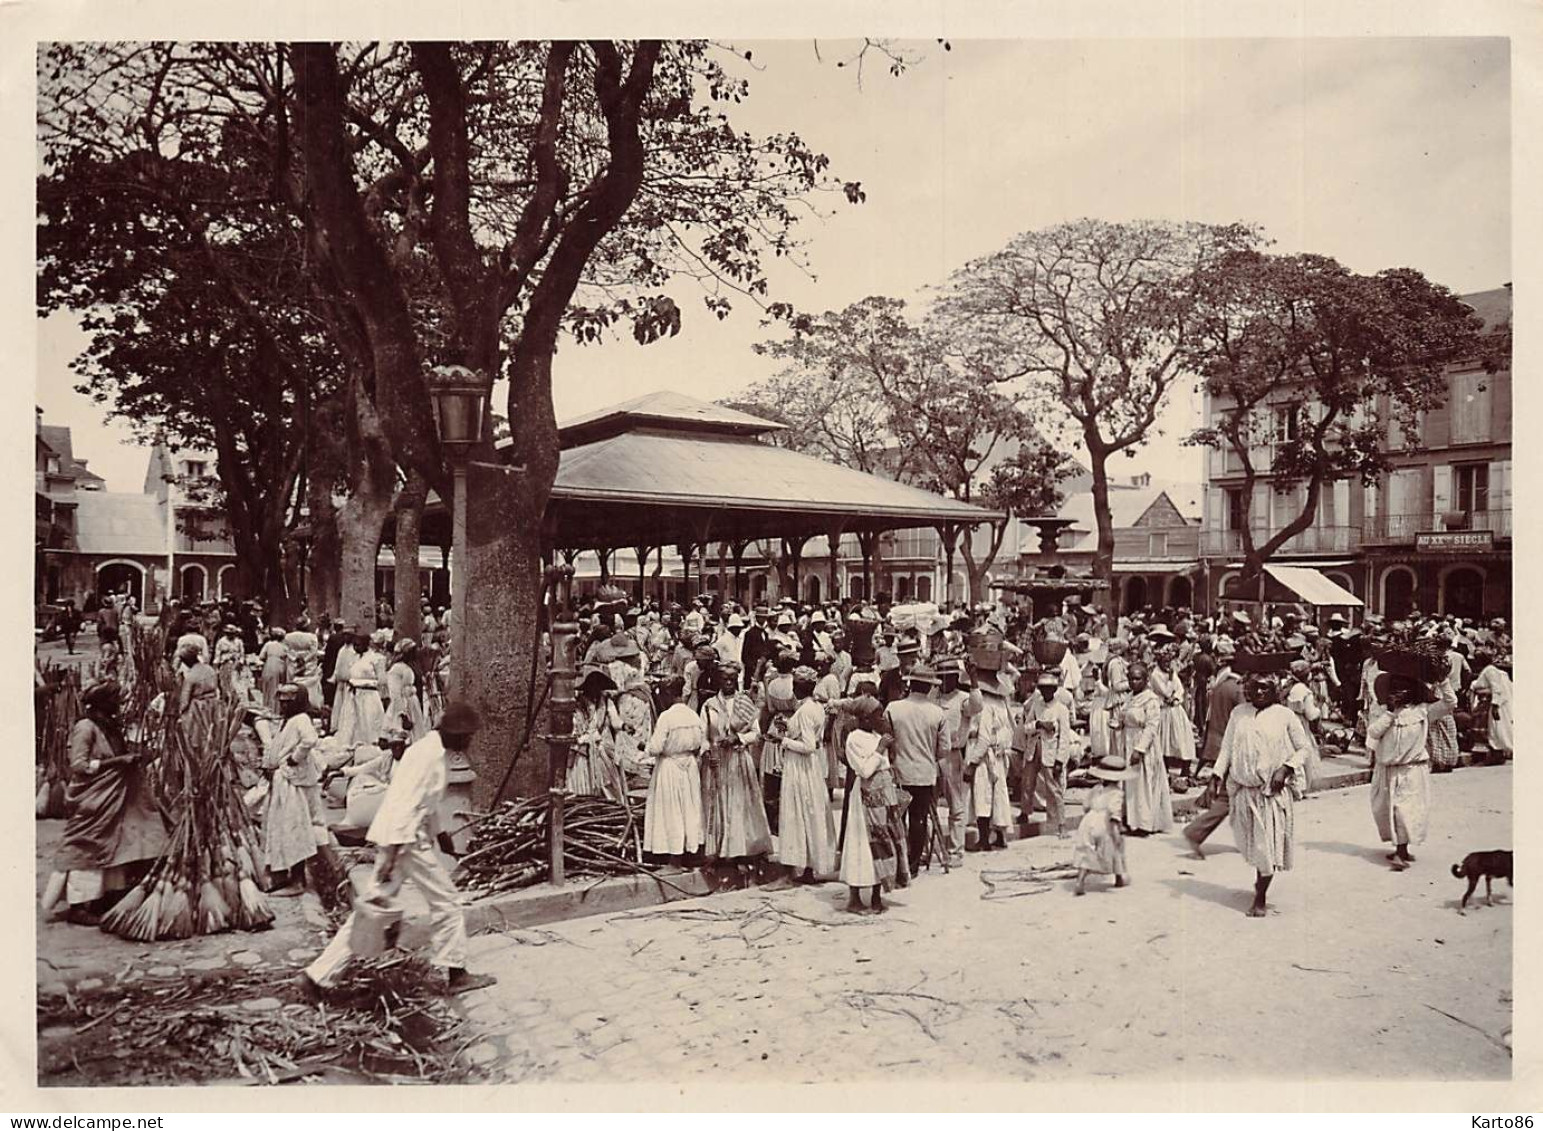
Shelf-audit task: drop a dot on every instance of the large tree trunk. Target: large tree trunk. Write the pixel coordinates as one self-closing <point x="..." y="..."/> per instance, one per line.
<point x="408" y="592"/>
<point x="361" y="525"/>
<point x="323" y="590"/>
<point x="1103" y="555"/>
<point x="503" y="579"/>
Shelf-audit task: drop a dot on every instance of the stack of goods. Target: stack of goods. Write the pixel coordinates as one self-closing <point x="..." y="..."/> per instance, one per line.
<point x="207" y="880"/>
<point x="58" y="709"/>
<point x="1423" y="660"/>
<point x="509" y="848"/>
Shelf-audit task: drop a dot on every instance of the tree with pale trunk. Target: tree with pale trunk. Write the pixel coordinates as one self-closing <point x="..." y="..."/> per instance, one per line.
<point x="1309" y="364"/>
<point x="1087" y="321"/>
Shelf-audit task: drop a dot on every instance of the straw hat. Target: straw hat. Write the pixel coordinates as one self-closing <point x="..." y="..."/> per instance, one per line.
<point x="1112" y="768"/>
<point x="923" y="675"/>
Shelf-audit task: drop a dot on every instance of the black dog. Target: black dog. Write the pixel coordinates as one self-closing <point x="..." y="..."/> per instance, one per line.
<point x="1488" y="866"/>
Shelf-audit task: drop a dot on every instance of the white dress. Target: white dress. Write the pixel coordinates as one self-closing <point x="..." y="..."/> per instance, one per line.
<point x="364" y="715"/>
<point x="1258" y="743"/>
<point x="672" y="819"/>
<point x="1400" y="793"/>
<point x="865" y="758"/>
<point x="1498" y="684"/>
<point x="990" y="747"/>
<point x="806" y="835"/>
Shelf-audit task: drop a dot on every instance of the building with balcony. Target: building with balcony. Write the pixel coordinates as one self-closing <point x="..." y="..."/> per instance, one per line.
<point x="1434" y="533"/>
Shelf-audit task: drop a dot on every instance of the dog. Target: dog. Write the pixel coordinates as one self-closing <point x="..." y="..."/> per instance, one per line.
<point x="1486" y="865"/>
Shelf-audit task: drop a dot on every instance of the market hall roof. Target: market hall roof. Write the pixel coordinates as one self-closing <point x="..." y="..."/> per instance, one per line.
<point x="667" y="468"/>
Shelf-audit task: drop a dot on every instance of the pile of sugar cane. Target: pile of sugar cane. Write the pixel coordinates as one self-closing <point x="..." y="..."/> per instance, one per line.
<point x="509" y="847"/>
<point x="385" y="1024"/>
<point x="59" y="709"/>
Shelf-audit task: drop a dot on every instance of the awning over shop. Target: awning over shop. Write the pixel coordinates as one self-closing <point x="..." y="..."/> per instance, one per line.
<point x="1294" y="583"/>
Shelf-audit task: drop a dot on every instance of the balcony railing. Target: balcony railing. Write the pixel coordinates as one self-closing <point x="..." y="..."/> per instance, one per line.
<point x="1400" y="529"/>
<point x="1313" y="540"/>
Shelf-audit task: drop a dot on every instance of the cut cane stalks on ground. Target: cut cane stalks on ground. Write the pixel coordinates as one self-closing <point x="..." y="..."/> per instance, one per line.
<point x="509" y="846"/>
<point x="1010" y="884"/>
<point x="387" y="1025"/>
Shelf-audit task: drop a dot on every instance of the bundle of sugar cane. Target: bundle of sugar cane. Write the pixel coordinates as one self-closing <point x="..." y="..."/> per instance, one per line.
<point x="61" y="710"/>
<point x="509" y="847"/>
<point x="206" y="880"/>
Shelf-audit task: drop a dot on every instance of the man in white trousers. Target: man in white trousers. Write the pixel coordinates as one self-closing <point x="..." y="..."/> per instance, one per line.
<point x="406" y="830"/>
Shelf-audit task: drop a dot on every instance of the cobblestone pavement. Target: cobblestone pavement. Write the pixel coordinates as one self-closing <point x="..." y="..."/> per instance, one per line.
<point x="1359" y="972"/>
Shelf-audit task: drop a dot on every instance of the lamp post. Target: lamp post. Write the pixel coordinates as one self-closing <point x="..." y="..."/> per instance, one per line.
<point x="460" y="397"/>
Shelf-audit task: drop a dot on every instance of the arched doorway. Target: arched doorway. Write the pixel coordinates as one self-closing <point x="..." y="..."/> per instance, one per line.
<point x="114" y="576"/>
<point x="1135" y="593"/>
<point x="902" y="589"/>
<point x="812" y="590"/>
<point x="224" y="579"/>
<point x="1462" y="593"/>
<point x="924" y="588"/>
<point x="1398" y="584"/>
<point x="194" y="579"/>
<point x="1180" y="593"/>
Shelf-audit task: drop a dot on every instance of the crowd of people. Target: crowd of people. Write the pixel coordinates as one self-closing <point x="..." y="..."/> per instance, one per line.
<point x="738" y="722"/>
<point x="841" y="729"/>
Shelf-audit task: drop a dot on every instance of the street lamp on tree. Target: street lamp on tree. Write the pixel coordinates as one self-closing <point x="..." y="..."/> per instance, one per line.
<point x="460" y="397"/>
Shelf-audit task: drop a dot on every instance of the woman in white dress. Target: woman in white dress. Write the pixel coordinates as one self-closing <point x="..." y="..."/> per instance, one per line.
<point x="1175" y="734"/>
<point x="295" y="819"/>
<point x="402" y="691"/>
<point x="343" y="692"/>
<point x="986" y="761"/>
<point x="873" y="855"/>
<point x="368" y="781"/>
<point x="672" y="818"/>
<point x="1497" y="686"/>
<point x="364" y="716"/>
<point x="1148" y="800"/>
<point x="1398" y="734"/>
<point x="806" y="836"/>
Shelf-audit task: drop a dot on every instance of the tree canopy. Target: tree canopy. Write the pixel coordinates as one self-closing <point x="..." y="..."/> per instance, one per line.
<point x="870" y="388"/>
<point x="1309" y="363"/>
<point x="1088" y="321"/>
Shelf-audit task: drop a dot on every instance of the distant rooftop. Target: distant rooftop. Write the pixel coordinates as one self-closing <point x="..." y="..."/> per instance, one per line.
<point x="1494" y="306"/>
<point x="57" y="437"/>
<point x="664" y="409"/>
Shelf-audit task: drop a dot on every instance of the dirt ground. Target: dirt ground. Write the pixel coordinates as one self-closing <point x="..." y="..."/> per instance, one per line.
<point x="1359" y="972"/>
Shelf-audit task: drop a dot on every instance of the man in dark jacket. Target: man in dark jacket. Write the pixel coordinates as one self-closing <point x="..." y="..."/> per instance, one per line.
<point x="329" y="660"/>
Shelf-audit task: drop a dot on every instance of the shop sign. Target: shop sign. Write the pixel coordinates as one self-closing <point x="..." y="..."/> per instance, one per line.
<point x="1455" y="540"/>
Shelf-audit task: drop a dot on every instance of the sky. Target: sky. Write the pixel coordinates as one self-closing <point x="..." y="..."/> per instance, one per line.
<point x="1379" y="152"/>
